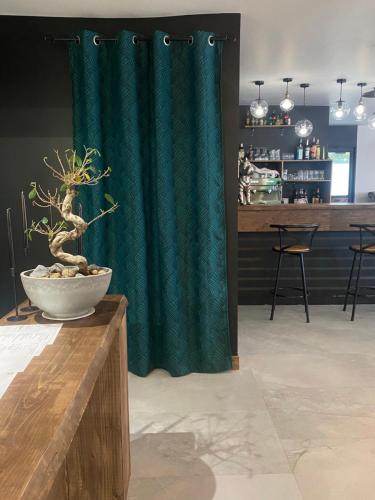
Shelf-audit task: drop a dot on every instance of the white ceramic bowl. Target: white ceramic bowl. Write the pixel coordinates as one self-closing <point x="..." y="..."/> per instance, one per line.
<point x="66" y="298"/>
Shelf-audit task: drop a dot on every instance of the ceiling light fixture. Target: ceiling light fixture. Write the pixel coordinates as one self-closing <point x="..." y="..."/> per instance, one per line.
<point x="340" y="110"/>
<point x="304" y="127"/>
<point x="360" y="110"/>
<point x="287" y="104"/>
<point x="259" y="107"/>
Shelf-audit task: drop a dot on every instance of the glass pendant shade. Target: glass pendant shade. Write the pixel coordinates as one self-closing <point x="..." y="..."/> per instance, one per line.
<point x="287" y="104"/>
<point x="340" y="110"/>
<point x="360" y="112"/>
<point x="259" y="108"/>
<point x="371" y="122"/>
<point x="304" y="128"/>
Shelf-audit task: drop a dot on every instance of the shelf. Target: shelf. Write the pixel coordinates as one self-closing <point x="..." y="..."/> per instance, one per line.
<point x="306" y="161"/>
<point x="290" y="161"/>
<point x="249" y="127"/>
<point x="309" y="181"/>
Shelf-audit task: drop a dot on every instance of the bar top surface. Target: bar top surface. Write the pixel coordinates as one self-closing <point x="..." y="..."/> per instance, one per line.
<point x="42" y="408"/>
<point x="330" y="216"/>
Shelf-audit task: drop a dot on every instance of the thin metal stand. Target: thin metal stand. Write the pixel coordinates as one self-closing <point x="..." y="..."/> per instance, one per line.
<point x="12" y="266"/>
<point x="29" y="308"/>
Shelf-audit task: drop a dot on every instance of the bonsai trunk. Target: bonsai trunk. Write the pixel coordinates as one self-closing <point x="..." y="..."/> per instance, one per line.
<point x="62" y="237"/>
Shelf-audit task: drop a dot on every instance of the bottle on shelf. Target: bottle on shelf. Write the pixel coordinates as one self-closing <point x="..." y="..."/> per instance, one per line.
<point x="241" y="152"/>
<point x="307" y="151"/>
<point x="299" y="153"/>
<point x="313" y="149"/>
<point x="316" y="197"/>
<point x="248" y="119"/>
<point x="274" y="118"/>
<point x="317" y="154"/>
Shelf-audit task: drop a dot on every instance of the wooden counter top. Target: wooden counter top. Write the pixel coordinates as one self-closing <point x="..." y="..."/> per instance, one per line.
<point x="63" y="420"/>
<point x="330" y="217"/>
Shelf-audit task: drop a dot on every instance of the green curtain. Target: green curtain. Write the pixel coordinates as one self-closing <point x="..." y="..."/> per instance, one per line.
<point x="153" y="111"/>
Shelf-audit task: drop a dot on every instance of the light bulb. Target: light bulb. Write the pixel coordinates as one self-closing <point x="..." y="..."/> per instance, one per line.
<point x="303" y="128"/>
<point x="287" y="104"/>
<point x="360" y="111"/>
<point x="259" y="108"/>
<point x="340" y="110"/>
<point x="371" y="122"/>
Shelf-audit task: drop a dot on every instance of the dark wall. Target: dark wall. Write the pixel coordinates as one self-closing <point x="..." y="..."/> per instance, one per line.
<point x="328" y="265"/>
<point x="36" y="116"/>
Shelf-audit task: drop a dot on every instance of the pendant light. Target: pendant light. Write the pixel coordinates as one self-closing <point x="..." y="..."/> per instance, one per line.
<point x="360" y="110"/>
<point x="304" y="127"/>
<point x="371" y="122"/>
<point x="259" y="107"/>
<point x="287" y="104"/>
<point x="340" y="110"/>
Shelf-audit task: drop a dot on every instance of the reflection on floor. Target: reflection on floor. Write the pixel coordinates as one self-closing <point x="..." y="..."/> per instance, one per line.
<point x="296" y="422"/>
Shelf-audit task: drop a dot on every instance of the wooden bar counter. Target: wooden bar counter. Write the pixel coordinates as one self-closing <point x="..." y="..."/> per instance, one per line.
<point x="330" y="217"/>
<point x="64" y="430"/>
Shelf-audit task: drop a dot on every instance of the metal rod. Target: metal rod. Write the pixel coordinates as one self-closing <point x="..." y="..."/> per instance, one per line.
<point x="12" y="267"/>
<point x="24" y="225"/>
<point x="141" y="38"/>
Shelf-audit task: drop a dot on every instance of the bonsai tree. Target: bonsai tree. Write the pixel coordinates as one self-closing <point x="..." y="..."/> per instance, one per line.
<point x="72" y="172"/>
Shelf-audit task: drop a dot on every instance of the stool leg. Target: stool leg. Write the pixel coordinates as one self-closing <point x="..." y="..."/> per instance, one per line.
<point x="350" y="281"/>
<point x="357" y="286"/>
<point x="276" y="286"/>
<point x="304" y="288"/>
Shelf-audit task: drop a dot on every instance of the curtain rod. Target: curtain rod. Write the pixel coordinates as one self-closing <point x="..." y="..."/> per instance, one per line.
<point x="141" y="38"/>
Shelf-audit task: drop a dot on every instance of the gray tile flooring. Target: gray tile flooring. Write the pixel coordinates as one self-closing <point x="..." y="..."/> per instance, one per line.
<point x="296" y="422"/>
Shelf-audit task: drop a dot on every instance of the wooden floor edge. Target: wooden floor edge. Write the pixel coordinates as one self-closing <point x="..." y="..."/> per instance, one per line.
<point x="235" y="362"/>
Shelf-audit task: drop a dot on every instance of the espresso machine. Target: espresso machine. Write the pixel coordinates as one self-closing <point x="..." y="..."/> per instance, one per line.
<point x="258" y="186"/>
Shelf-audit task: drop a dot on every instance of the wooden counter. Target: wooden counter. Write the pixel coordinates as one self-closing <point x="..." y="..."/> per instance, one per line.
<point x="64" y="420"/>
<point x="330" y="217"/>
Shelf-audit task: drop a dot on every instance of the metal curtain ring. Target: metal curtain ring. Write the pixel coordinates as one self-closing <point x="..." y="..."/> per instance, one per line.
<point x="191" y="40"/>
<point x="166" y="40"/>
<point x="134" y="40"/>
<point x="211" y="40"/>
<point x="96" y="40"/>
<point x="77" y="39"/>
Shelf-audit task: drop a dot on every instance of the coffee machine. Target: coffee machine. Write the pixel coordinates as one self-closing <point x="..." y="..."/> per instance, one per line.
<point x="260" y="186"/>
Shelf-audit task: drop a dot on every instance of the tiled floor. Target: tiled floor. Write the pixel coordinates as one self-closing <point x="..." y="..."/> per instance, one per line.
<point x="296" y="422"/>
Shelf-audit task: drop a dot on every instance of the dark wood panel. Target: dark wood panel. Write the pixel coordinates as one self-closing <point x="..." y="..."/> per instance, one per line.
<point x="327" y="268"/>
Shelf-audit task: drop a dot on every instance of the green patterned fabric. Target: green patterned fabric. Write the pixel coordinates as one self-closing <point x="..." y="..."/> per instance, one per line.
<point x="154" y="113"/>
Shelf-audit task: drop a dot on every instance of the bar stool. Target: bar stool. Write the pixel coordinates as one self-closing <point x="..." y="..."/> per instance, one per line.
<point x="298" y="247"/>
<point x="362" y="249"/>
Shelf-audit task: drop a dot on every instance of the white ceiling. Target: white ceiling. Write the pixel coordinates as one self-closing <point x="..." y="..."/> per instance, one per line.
<point x="316" y="42"/>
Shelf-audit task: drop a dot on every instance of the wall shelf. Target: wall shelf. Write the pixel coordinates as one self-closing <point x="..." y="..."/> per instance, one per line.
<point x="311" y="181"/>
<point x="249" y="127"/>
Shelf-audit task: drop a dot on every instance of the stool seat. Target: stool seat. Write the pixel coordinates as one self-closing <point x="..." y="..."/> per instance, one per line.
<point x="294" y="249"/>
<point x="364" y="249"/>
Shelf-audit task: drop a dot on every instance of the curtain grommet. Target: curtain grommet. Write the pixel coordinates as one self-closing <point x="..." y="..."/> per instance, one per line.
<point x="134" y="40"/>
<point x="77" y="39"/>
<point x="191" y="40"/>
<point x="166" y="40"/>
<point x="96" y="40"/>
<point x="211" y="40"/>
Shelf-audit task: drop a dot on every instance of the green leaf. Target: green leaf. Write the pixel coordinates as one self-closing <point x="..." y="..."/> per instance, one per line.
<point x="109" y="169"/>
<point x="78" y="161"/>
<point x="109" y="198"/>
<point x="32" y="194"/>
<point x="44" y="220"/>
<point x="29" y="236"/>
<point x="63" y="187"/>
